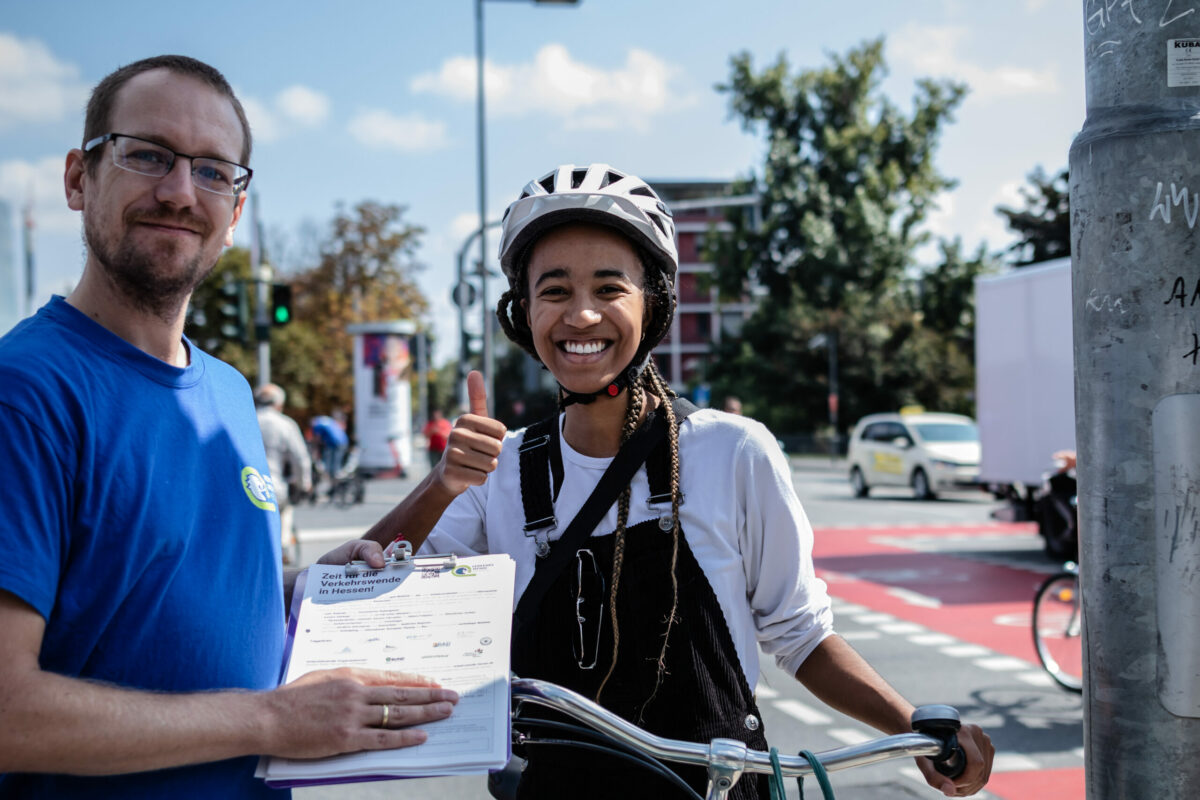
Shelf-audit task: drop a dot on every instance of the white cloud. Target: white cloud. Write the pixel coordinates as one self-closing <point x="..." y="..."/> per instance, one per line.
<point x="34" y="85"/>
<point x="463" y="226"/>
<point x="303" y="105"/>
<point x="263" y="124"/>
<point x="556" y="84"/>
<point x="295" y="104"/>
<point x="39" y="182"/>
<point x="933" y="50"/>
<point x="384" y="130"/>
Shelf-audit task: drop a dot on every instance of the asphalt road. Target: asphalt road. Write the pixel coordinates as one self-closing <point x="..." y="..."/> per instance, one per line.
<point x="934" y="594"/>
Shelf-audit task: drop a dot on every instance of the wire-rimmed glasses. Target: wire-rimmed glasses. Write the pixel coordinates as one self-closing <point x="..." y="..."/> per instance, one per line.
<point x="144" y="157"/>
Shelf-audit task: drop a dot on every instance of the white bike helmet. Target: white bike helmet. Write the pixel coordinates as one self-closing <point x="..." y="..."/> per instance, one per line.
<point x="600" y="195"/>
<point x="596" y="193"/>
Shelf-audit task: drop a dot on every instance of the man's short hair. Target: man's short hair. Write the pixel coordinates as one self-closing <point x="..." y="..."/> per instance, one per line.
<point x="99" y="107"/>
<point x="270" y="394"/>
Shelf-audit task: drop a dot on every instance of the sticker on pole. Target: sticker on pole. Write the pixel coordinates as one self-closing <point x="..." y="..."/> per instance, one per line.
<point x="1183" y="62"/>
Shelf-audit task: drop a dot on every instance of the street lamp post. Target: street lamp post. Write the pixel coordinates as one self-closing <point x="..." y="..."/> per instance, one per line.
<point x="464" y="296"/>
<point x="481" y="133"/>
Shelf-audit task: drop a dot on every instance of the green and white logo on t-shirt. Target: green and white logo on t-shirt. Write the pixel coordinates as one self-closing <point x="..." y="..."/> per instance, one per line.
<point x="258" y="489"/>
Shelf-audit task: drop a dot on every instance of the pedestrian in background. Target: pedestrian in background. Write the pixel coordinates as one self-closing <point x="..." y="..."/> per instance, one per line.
<point x="287" y="459"/>
<point x="437" y="434"/>
<point x="733" y="405"/>
<point x="141" y="590"/>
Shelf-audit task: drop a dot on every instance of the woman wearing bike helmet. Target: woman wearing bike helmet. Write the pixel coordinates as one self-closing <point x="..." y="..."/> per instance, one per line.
<point x="657" y="609"/>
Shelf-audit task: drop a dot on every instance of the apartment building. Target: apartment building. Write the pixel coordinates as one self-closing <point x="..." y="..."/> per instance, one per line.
<point x="699" y="208"/>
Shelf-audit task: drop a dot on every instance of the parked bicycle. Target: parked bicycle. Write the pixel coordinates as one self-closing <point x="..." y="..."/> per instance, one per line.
<point x="727" y="760"/>
<point x="1058" y="627"/>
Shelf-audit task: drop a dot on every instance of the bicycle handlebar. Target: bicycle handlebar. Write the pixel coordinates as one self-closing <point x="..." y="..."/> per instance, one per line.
<point x="729" y="758"/>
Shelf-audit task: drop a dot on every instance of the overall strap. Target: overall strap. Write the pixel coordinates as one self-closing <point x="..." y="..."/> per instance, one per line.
<point x="620" y="472"/>
<point x="539" y="455"/>
<point x="658" y="464"/>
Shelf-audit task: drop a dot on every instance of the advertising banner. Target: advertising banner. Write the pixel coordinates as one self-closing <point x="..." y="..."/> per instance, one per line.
<point x="383" y="365"/>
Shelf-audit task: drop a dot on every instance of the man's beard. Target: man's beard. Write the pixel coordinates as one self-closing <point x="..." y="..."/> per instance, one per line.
<point x="135" y="273"/>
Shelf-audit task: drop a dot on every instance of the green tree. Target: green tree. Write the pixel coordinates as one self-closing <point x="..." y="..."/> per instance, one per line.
<point x="846" y="182"/>
<point x="365" y="273"/>
<point x="1044" y="225"/>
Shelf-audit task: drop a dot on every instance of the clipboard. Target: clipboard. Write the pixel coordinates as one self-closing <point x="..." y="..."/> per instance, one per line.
<point x="440" y="615"/>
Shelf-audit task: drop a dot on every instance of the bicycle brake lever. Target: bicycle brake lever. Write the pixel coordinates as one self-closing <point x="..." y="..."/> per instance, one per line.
<point x="942" y="722"/>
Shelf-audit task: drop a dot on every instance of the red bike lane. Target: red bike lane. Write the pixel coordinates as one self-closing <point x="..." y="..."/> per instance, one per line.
<point x="912" y="573"/>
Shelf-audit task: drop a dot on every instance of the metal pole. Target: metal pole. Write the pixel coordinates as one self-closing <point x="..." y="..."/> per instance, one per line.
<point x="1134" y="208"/>
<point x="30" y="273"/>
<point x="422" y="342"/>
<point x="832" y="344"/>
<point x="482" y="136"/>
<point x="262" y="286"/>
<point x="461" y="383"/>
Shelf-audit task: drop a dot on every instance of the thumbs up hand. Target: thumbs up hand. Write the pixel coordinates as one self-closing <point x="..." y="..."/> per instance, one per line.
<point x="473" y="450"/>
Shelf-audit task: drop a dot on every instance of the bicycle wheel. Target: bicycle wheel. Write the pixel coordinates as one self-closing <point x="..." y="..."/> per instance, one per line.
<point x="1058" y="630"/>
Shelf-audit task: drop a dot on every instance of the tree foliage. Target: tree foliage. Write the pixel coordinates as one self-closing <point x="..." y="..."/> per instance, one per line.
<point x="364" y="273"/>
<point x="845" y="184"/>
<point x="1044" y="225"/>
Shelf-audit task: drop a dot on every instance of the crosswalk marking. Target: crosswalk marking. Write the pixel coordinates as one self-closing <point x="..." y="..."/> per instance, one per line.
<point x="762" y="691"/>
<point x="849" y="735"/>
<point x="915" y="598"/>
<point x="858" y="636"/>
<point x="932" y="639"/>
<point x="966" y="650"/>
<point x="1002" y="663"/>
<point x="806" y="714"/>
<point x="873" y="618"/>
<point x="902" y="627"/>
<point x="1036" y="678"/>
<point x="1013" y="762"/>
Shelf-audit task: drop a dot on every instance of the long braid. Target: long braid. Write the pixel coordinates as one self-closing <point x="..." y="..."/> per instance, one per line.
<point x="656" y="384"/>
<point x="633" y="414"/>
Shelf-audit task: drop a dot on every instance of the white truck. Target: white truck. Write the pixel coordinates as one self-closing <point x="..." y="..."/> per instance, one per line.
<point x="1025" y="391"/>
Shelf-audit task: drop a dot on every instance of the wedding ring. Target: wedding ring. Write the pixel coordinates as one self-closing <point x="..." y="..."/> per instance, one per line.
<point x="386" y="711"/>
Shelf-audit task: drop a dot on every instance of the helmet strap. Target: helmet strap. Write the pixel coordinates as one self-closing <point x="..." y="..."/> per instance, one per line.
<point x="628" y="377"/>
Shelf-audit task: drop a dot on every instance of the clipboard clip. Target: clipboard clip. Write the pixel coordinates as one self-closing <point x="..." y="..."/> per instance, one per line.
<point x="401" y="555"/>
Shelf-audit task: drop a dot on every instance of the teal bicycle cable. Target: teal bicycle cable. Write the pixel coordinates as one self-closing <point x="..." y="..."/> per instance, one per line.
<point x="818" y="773"/>
<point x="775" y="779"/>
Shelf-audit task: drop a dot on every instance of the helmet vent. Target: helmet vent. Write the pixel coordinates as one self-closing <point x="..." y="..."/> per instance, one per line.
<point x="577" y="176"/>
<point x="644" y="191"/>
<point x="610" y="178"/>
<point x="548" y="183"/>
<point x="658" y="223"/>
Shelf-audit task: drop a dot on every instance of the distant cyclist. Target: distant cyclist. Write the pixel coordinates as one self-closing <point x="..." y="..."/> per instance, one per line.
<point x="700" y="558"/>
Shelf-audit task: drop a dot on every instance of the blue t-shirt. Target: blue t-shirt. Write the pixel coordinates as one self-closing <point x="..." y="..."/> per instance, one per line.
<point x="138" y="522"/>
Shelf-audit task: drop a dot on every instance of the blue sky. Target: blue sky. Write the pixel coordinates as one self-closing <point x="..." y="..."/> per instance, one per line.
<point x="376" y="100"/>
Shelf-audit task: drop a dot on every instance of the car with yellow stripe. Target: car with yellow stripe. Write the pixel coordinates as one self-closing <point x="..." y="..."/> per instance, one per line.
<point x="929" y="452"/>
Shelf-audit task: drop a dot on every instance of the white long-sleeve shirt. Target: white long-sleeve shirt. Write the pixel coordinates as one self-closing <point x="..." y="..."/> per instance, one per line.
<point x="741" y="517"/>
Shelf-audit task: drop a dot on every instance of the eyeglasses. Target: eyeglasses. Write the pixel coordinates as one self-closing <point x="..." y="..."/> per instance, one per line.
<point x="150" y="158"/>
<point x="589" y="609"/>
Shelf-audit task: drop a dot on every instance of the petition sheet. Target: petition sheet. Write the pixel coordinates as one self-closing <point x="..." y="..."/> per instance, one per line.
<point x="450" y="624"/>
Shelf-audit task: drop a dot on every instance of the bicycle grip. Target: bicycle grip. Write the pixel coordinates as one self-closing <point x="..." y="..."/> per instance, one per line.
<point x="942" y="722"/>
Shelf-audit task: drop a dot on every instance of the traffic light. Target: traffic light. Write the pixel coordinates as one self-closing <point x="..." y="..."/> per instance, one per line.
<point x="281" y="303"/>
<point x="233" y="307"/>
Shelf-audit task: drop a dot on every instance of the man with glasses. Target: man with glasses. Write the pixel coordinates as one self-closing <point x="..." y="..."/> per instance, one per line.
<point x="140" y="577"/>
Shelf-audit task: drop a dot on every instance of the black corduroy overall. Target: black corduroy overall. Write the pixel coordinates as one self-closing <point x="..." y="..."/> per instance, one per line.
<point x="703" y="692"/>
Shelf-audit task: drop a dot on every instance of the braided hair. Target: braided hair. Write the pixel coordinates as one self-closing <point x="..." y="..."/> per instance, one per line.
<point x="660" y="310"/>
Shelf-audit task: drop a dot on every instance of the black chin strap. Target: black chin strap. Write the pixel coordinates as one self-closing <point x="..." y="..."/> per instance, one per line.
<point x="627" y="378"/>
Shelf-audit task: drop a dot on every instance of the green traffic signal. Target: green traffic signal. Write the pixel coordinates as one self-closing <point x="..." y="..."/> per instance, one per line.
<point x="281" y="303"/>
